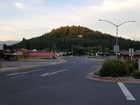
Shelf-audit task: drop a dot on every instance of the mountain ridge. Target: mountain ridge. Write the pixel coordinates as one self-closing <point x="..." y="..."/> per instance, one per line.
<point x="64" y="38"/>
<point x="8" y="42"/>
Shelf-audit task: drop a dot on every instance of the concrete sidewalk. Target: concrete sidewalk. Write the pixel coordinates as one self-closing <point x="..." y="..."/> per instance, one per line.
<point x="30" y="63"/>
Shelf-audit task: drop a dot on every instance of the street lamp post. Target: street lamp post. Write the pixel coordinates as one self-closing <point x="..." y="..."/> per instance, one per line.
<point x="0" y="62"/>
<point x="116" y="48"/>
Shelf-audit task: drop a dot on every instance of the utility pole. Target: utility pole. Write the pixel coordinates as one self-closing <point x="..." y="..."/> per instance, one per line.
<point x="116" y="46"/>
<point x="0" y="61"/>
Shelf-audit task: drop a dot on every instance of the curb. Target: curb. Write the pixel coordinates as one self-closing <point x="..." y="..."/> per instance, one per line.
<point x="111" y="79"/>
<point x="3" y="69"/>
<point x="17" y="68"/>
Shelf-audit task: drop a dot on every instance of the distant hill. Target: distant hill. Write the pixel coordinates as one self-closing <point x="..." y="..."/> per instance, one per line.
<point x="66" y="39"/>
<point x="7" y="42"/>
<point x="10" y="42"/>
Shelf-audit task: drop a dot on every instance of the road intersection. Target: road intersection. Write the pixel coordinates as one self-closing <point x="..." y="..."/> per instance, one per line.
<point x="64" y="84"/>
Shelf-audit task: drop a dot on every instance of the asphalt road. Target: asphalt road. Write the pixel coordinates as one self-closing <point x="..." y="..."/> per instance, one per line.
<point x="64" y="84"/>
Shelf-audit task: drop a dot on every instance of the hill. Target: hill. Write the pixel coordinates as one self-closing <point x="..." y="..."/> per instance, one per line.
<point x="10" y="42"/>
<point x="66" y="39"/>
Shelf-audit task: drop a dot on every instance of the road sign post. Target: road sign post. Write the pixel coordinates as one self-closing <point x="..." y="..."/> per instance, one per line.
<point x="139" y="64"/>
<point x="116" y="50"/>
<point x="131" y="53"/>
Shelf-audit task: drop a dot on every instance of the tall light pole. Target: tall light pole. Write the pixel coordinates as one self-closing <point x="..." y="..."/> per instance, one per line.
<point x="117" y="47"/>
<point x="0" y="61"/>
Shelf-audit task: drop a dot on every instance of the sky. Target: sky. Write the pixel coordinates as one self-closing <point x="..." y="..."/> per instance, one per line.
<point x="32" y="18"/>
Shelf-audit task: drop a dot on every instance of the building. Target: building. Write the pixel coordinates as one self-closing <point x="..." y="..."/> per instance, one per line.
<point x="8" y="53"/>
<point x="22" y="53"/>
<point x="41" y="54"/>
<point x="126" y="54"/>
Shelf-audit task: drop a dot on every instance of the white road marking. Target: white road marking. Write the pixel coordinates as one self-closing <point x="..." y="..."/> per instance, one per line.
<point x="12" y="74"/>
<point x="52" y="73"/>
<point x="126" y="92"/>
<point x="20" y="73"/>
<point x="44" y="74"/>
<point x="17" y="73"/>
<point x="19" y="76"/>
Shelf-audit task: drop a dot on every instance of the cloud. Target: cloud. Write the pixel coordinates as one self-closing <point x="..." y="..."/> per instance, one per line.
<point x="42" y="16"/>
<point x="118" y="5"/>
<point x="39" y="1"/>
<point x="111" y="6"/>
<point x="116" y="11"/>
<point x="113" y="10"/>
<point x="20" y="6"/>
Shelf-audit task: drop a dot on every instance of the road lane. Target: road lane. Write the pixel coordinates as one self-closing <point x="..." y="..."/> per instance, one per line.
<point x="53" y="73"/>
<point x="126" y="92"/>
<point x="135" y="90"/>
<point x="25" y="72"/>
<point x="63" y="88"/>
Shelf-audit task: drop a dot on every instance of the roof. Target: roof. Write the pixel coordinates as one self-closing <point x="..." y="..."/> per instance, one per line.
<point x="127" y="52"/>
<point x="23" y="49"/>
<point x="7" y="47"/>
<point x="10" y="53"/>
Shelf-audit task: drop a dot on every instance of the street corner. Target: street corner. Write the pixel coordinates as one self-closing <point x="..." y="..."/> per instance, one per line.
<point x="92" y="76"/>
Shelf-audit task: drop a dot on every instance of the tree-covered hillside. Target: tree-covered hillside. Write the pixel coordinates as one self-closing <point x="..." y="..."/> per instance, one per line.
<point x="66" y="39"/>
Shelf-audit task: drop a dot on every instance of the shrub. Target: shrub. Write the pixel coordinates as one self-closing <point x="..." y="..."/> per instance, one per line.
<point x="132" y="65"/>
<point x="136" y="74"/>
<point x="114" y="68"/>
<point x="97" y="73"/>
